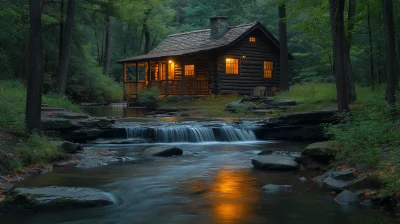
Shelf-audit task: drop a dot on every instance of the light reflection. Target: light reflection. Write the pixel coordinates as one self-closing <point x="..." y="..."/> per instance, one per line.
<point x="231" y="196"/>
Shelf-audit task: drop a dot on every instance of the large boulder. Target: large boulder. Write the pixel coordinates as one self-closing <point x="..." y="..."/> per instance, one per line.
<point x="67" y="147"/>
<point x="322" y="152"/>
<point x="274" y="188"/>
<point x="276" y="103"/>
<point x="163" y="151"/>
<point x="296" y="126"/>
<point x="55" y="198"/>
<point x="346" y="197"/>
<point x="274" y="162"/>
<point x="336" y="180"/>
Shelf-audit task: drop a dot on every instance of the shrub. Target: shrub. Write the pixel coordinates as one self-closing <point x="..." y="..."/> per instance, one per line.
<point x="149" y="98"/>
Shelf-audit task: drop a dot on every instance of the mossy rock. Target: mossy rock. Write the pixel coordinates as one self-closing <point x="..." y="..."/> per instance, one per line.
<point x="322" y="152"/>
<point x="55" y="198"/>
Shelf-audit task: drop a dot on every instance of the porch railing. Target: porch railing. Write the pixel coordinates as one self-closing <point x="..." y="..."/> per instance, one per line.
<point x="174" y="87"/>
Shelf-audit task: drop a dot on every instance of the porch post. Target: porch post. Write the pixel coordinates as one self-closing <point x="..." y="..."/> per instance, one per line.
<point x="183" y="76"/>
<point x="124" y="72"/>
<point x="148" y="72"/>
<point x="166" y="78"/>
<point x="137" y="78"/>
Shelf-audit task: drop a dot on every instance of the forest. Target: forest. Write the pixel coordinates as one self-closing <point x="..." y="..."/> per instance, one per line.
<point x="64" y="53"/>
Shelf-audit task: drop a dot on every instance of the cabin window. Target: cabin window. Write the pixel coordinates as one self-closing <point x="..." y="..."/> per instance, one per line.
<point x="268" y="69"/>
<point x="252" y="39"/>
<point x="189" y="70"/>
<point x="171" y="70"/>
<point x="232" y="66"/>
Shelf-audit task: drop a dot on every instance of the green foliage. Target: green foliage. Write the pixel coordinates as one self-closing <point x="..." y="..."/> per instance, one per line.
<point x="12" y="105"/>
<point x="149" y="98"/>
<point x="370" y="138"/>
<point x="311" y="96"/>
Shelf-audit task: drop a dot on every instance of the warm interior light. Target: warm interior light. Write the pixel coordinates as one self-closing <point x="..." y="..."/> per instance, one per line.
<point x="244" y="56"/>
<point x="170" y="61"/>
<point x="228" y="60"/>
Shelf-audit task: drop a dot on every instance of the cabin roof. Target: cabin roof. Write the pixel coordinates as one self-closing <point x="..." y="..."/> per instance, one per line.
<point x="199" y="41"/>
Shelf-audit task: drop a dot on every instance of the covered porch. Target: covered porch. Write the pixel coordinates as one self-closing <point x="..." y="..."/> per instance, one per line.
<point x="172" y="76"/>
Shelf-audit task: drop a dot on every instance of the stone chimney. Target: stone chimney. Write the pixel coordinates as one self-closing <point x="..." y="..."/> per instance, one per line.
<point x="219" y="26"/>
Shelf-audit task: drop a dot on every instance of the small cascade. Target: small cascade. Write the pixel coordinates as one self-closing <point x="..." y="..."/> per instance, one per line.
<point x="232" y="134"/>
<point x="190" y="133"/>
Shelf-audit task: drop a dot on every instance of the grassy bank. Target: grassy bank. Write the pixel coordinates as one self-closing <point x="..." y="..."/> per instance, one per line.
<point x="18" y="148"/>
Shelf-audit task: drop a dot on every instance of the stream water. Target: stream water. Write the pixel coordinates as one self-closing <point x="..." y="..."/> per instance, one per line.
<point x="212" y="182"/>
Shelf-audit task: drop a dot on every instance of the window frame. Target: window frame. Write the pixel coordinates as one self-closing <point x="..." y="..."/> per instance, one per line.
<point x="238" y="65"/>
<point x="272" y="69"/>
<point x="194" y="70"/>
<point x="252" y="39"/>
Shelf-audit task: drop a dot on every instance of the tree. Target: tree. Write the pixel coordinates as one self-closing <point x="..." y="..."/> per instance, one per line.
<point x="107" y="50"/>
<point x="36" y="69"/>
<point x="283" y="47"/>
<point x="391" y="79"/>
<point x="336" y="9"/>
<point x="65" y="48"/>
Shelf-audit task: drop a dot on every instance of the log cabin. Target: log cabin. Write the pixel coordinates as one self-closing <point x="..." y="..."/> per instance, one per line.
<point x="219" y="60"/>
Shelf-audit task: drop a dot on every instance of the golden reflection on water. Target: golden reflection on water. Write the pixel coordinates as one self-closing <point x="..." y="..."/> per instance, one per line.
<point x="231" y="196"/>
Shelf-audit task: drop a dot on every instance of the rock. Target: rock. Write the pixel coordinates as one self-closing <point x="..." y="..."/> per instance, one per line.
<point x="337" y="185"/>
<point x="56" y="198"/>
<point x="365" y="182"/>
<point x="273" y="188"/>
<point x="119" y="141"/>
<point x="8" y="189"/>
<point x="274" y="162"/>
<point x="343" y="175"/>
<point x="303" y="179"/>
<point x="296" y="126"/>
<point x="238" y="106"/>
<point x="33" y="173"/>
<point x="163" y="151"/>
<point x="346" y="197"/>
<point x="321" y="152"/>
<point x="59" y="124"/>
<point x="52" y="109"/>
<point x="70" y="147"/>
<point x="274" y="103"/>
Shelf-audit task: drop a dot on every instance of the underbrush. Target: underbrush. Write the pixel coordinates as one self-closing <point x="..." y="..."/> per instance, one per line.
<point x="369" y="139"/>
<point x="17" y="147"/>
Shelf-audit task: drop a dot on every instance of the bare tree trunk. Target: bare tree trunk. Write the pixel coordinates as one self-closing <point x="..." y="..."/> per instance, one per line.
<point x="126" y="38"/>
<point x="147" y="40"/>
<point x="66" y="49"/>
<point x="336" y="9"/>
<point x="350" y="28"/>
<point x="61" y="28"/>
<point x="36" y="69"/>
<point x="371" y="52"/>
<point x="284" y="70"/>
<point x="107" y="52"/>
<point x="391" y="79"/>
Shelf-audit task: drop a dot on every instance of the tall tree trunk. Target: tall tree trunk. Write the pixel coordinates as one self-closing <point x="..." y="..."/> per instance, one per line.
<point x="36" y="69"/>
<point x="371" y="52"/>
<point x="107" y="52"/>
<point x="61" y="28"/>
<point x="336" y="9"/>
<point x="284" y="70"/>
<point x="350" y="28"/>
<point x="147" y="40"/>
<point x="126" y="38"/>
<point x="391" y="79"/>
<point x="66" y="49"/>
<point x="332" y="25"/>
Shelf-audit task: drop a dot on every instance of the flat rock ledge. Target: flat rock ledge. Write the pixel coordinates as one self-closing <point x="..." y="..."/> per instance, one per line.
<point x="274" y="162"/>
<point x="55" y="198"/>
<point x="163" y="151"/>
<point x="347" y="197"/>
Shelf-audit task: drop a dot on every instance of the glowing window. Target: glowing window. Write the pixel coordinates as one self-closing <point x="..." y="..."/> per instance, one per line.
<point x="232" y="66"/>
<point x="268" y="69"/>
<point x="189" y="70"/>
<point x="252" y="39"/>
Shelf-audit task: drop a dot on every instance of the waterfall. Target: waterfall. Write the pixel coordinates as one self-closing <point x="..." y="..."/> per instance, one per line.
<point x="190" y="133"/>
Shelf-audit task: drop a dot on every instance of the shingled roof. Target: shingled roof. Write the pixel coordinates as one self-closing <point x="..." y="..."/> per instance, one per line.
<point x="199" y="41"/>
